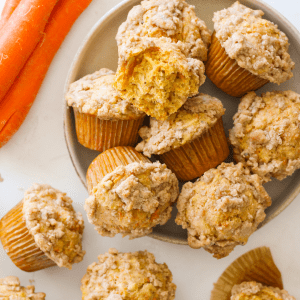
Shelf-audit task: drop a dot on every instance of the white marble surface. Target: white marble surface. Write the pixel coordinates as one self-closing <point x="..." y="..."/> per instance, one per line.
<point x="37" y="153"/>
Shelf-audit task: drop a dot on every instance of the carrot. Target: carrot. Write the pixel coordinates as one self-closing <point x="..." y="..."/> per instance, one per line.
<point x="8" y="9"/>
<point x="9" y="128"/>
<point x="19" y="36"/>
<point x="18" y="100"/>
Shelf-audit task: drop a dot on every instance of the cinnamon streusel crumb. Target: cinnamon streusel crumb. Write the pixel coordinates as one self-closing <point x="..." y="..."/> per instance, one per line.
<point x="132" y="199"/>
<point x="11" y="289"/>
<point x="222" y="208"/>
<point x="256" y="44"/>
<point x="57" y="229"/>
<point x="127" y="276"/>
<point x="174" y="19"/>
<point x="194" y="118"/>
<point x="266" y="133"/>
<point x="256" y="291"/>
<point x="94" y="94"/>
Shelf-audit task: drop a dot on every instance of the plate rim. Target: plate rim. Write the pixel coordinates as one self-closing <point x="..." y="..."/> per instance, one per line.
<point x="75" y="65"/>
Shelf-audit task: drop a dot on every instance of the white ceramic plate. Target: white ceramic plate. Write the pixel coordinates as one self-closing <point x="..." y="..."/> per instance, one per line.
<point x="99" y="50"/>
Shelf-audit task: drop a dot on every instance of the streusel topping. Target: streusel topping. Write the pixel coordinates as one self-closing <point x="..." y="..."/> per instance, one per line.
<point x="94" y="94"/>
<point x="10" y="289"/>
<point x="127" y="276"/>
<point x="174" y="19"/>
<point x="132" y="199"/>
<point x="57" y="229"/>
<point x="222" y="208"/>
<point x="195" y="117"/>
<point x="266" y="133"/>
<point x="255" y="43"/>
<point x="156" y="77"/>
<point x="253" y="290"/>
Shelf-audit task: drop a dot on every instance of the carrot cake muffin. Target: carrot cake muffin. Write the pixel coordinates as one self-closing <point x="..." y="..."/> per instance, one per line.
<point x="132" y="199"/>
<point x="256" y="291"/>
<point x="103" y="119"/>
<point x="222" y="209"/>
<point x="156" y="77"/>
<point x="43" y="230"/>
<point x="127" y="276"/>
<point x="174" y="19"/>
<point x="198" y="119"/>
<point x="11" y="289"/>
<point x="266" y="133"/>
<point x="255" y="44"/>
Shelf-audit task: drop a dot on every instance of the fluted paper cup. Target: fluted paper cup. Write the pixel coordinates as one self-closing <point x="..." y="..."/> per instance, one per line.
<point x="256" y="265"/>
<point x="227" y="75"/>
<point x="193" y="159"/>
<point x="108" y="161"/>
<point x="98" y="134"/>
<point x="19" y="244"/>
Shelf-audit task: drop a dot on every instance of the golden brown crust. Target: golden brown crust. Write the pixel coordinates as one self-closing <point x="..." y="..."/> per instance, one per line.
<point x="132" y="199"/>
<point x="222" y="209"/>
<point x="194" y="118"/>
<point x="94" y="94"/>
<point x="127" y="276"/>
<point x="57" y="229"/>
<point x="256" y="44"/>
<point x="173" y="19"/>
<point x="266" y="133"/>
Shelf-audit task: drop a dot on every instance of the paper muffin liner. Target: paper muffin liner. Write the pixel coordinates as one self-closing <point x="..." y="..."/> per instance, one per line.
<point x="227" y="75"/>
<point x="108" y="161"/>
<point x="98" y="134"/>
<point x="19" y="244"/>
<point x="255" y="265"/>
<point x="193" y="159"/>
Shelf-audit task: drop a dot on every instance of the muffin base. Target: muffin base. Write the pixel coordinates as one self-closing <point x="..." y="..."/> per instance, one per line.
<point x="193" y="159"/>
<point x="108" y="161"/>
<point x="97" y="134"/>
<point x="19" y="244"/>
<point x="227" y="75"/>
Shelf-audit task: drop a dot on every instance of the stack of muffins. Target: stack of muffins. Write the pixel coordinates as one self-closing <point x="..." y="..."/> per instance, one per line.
<point x="162" y="49"/>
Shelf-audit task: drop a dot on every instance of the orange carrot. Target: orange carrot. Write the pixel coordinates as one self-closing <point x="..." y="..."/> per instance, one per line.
<point x="18" y="100"/>
<point x="19" y="36"/>
<point x="8" y="9"/>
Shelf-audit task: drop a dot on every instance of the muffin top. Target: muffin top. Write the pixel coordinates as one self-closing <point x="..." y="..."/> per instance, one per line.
<point x="174" y="19"/>
<point x="10" y="288"/>
<point x="195" y="117"/>
<point x="222" y="208"/>
<point x="255" y="43"/>
<point x="94" y="94"/>
<point x="132" y="199"/>
<point x="127" y="276"/>
<point x="156" y="77"/>
<point x="253" y="290"/>
<point x="57" y="229"/>
<point x="266" y="133"/>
